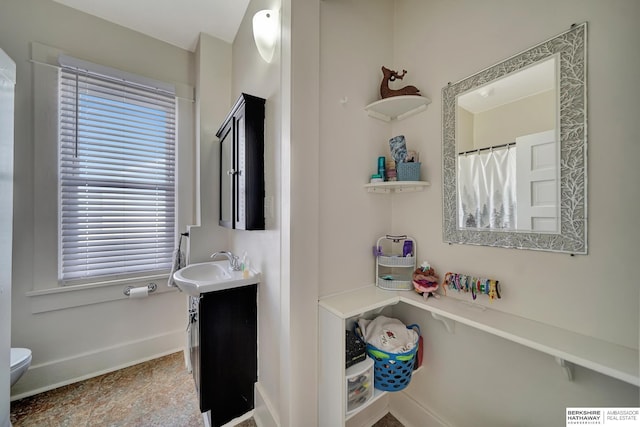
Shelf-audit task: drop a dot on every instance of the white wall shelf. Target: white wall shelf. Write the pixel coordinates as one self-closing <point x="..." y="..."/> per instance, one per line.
<point x="396" y="186"/>
<point x="567" y="347"/>
<point x="397" y="107"/>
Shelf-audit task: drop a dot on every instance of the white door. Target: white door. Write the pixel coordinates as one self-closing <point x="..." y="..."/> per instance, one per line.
<point x="7" y="84"/>
<point x="537" y="182"/>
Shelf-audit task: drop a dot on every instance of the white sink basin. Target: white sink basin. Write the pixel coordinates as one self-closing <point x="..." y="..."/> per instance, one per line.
<point x="196" y="279"/>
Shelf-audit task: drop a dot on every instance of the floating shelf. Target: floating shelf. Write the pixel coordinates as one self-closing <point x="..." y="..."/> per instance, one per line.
<point x="396" y="186"/>
<point x="567" y="347"/>
<point x="397" y="107"/>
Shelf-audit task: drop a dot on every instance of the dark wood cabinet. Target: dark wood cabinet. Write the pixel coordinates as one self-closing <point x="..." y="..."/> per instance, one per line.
<point x="226" y="363"/>
<point x="241" y="138"/>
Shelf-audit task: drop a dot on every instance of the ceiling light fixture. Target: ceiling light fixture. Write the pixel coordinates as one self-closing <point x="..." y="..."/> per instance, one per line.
<point x="265" y="32"/>
<point x="486" y="92"/>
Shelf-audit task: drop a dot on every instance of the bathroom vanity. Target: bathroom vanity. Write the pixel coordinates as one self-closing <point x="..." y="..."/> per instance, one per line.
<point x="223" y="351"/>
<point x="222" y="336"/>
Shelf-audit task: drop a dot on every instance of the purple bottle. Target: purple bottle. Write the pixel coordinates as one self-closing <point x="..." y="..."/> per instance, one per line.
<point x="407" y="248"/>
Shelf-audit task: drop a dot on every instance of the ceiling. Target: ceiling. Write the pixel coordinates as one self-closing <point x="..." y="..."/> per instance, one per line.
<point x="178" y="22"/>
<point x="530" y="81"/>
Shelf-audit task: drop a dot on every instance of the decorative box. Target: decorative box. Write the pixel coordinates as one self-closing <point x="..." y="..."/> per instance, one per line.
<point x="408" y="171"/>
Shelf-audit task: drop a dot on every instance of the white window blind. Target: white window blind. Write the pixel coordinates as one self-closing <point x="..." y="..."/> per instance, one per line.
<point x="116" y="171"/>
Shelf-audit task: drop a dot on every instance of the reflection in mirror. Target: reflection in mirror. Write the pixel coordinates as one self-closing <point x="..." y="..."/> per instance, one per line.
<point x="226" y="177"/>
<point x="514" y="150"/>
<point x="507" y="152"/>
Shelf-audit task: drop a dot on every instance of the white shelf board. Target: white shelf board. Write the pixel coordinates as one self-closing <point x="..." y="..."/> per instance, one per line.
<point x="397" y="107"/>
<point x="601" y="356"/>
<point x="396" y="186"/>
<point x="353" y="303"/>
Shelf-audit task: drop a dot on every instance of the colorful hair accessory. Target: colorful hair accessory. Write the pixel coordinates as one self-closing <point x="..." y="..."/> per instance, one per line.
<point x="493" y="290"/>
<point x="475" y="285"/>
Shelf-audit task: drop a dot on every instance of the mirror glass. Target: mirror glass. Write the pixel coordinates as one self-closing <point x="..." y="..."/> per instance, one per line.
<point x="514" y="150"/>
<point x="226" y="166"/>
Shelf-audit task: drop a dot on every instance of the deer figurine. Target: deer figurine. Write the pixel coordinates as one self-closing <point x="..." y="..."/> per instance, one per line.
<point x="390" y="76"/>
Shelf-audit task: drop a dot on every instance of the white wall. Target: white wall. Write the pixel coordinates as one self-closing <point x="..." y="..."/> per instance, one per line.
<point x="7" y="87"/>
<point x="589" y="294"/>
<point x="286" y="252"/>
<point x="300" y="261"/>
<point x="611" y="130"/>
<point x="224" y="72"/>
<point x="356" y="41"/>
<point x="72" y="343"/>
<point x="213" y="82"/>
<point x="441" y="41"/>
<point x="252" y="75"/>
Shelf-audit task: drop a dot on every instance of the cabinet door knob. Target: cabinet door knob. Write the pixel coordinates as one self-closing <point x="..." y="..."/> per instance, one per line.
<point x="232" y="172"/>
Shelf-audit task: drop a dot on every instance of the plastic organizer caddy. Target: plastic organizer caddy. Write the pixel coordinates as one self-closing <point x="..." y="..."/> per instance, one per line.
<point x="393" y="271"/>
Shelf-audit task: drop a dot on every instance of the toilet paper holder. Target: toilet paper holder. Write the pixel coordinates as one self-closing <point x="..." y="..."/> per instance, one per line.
<point x="151" y="286"/>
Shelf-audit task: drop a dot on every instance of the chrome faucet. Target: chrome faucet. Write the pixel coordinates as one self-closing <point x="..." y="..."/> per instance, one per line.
<point x="234" y="261"/>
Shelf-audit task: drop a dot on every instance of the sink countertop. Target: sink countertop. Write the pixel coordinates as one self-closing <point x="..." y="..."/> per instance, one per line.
<point x="227" y="280"/>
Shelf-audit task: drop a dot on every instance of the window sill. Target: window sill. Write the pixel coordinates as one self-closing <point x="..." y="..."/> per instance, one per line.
<point x="64" y="297"/>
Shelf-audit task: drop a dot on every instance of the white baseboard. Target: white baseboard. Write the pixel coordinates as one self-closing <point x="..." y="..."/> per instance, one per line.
<point x="265" y="414"/>
<point x="411" y="413"/>
<point x="57" y="373"/>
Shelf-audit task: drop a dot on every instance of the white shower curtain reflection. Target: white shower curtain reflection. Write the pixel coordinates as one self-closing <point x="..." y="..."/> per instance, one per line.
<point x="487" y="189"/>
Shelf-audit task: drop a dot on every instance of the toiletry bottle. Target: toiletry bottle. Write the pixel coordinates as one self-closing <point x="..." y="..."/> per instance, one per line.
<point x="407" y="248"/>
<point x="246" y="266"/>
<point x="381" y="166"/>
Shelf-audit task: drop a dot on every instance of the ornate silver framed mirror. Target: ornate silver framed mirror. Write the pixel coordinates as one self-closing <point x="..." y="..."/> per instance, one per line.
<point x="514" y="150"/>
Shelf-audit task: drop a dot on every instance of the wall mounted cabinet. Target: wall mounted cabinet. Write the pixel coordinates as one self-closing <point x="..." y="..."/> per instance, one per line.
<point x="241" y="138"/>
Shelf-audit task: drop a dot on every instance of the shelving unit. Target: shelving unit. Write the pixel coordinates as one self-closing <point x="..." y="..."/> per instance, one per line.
<point x="396" y="186"/>
<point x="567" y="348"/>
<point x="334" y="409"/>
<point x="387" y="110"/>
<point x="359" y="385"/>
<point x="397" y="107"/>
<point x="393" y="271"/>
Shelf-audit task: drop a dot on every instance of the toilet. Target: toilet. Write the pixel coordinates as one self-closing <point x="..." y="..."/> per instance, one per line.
<point x="20" y="362"/>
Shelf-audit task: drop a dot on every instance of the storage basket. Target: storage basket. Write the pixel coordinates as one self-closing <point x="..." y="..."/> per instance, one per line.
<point x="396" y="261"/>
<point x="392" y="283"/>
<point x="394" y="271"/>
<point x="408" y="171"/>
<point x="392" y="371"/>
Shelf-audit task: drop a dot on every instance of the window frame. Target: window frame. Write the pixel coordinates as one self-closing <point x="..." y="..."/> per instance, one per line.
<point x="79" y="66"/>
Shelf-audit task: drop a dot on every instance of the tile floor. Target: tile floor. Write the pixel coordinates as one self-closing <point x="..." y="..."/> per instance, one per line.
<point x="158" y="393"/>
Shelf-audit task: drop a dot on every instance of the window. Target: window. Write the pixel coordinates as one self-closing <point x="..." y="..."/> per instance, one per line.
<point x="116" y="173"/>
